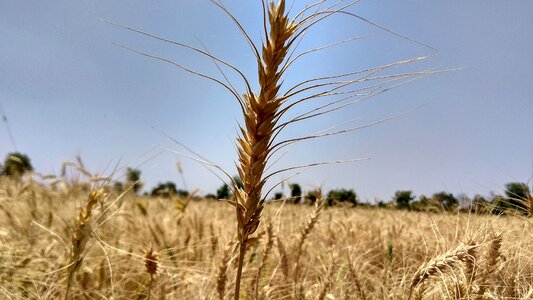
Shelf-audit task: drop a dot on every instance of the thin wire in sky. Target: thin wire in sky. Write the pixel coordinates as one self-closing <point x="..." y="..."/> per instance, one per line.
<point x="4" y="118"/>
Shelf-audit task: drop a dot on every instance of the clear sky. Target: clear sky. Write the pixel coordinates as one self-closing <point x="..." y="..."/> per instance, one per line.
<point x="67" y="91"/>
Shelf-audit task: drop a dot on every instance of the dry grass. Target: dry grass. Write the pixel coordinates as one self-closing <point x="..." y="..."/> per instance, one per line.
<point x="347" y="254"/>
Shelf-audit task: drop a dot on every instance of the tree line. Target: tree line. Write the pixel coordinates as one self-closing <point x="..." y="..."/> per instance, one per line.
<point x="517" y="196"/>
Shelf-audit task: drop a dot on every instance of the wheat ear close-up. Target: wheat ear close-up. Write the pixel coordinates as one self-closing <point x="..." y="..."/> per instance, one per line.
<point x="265" y="112"/>
<point x="260" y="119"/>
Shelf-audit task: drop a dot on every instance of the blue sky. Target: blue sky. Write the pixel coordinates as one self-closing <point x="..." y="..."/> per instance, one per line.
<point x="67" y="91"/>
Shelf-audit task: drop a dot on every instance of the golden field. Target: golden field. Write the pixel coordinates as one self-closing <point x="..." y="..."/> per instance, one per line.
<point x="344" y="252"/>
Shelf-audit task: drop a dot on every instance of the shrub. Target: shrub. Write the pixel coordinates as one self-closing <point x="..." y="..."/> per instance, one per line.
<point x="133" y="177"/>
<point x="223" y="192"/>
<point x="16" y="164"/>
<point x="341" y="195"/>
<point x="296" y="192"/>
<point x="403" y="199"/>
<point x="518" y="195"/>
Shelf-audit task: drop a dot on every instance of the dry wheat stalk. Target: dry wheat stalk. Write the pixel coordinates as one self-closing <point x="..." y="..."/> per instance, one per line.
<point x="442" y="263"/>
<point x="264" y="112"/>
<point x="491" y="259"/>
<point x="353" y="276"/>
<point x="306" y="231"/>
<point x="81" y="235"/>
<point x="222" y="275"/>
<point x="255" y="144"/>
<point x="327" y="281"/>
<point x="151" y="260"/>
<point x="266" y="253"/>
<point x="283" y="259"/>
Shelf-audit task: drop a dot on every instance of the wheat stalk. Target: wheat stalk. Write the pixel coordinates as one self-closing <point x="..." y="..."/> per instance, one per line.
<point x="81" y="235"/>
<point x="223" y="270"/>
<point x="266" y="253"/>
<point x="283" y="259"/>
<point x="151" y="261"/>
<point x="353" y="276"/>
<point x="255" y="143"/>
<point x="306" y="231"/>
<point x="264" y="111"/>
<point x="491" y="258"/>
<point x="441" y="263"/>
<point x="328" y="280"/>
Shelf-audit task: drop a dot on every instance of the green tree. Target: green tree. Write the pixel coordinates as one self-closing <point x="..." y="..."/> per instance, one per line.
<point x="341" y="195"/>
<point x="182" y="193"/>
<point x="166" y="190"/>
<point x="518" y="195"/>
<point x="133" y="177"/>
<point x="500" y="205"/>
<point x="16" y="164"/>
<point x="422" y="204"/>
<point x="479" y="204"/>
<point x="311" y="196"/>
<point x="296" y="192"/>
<point x="446" y="200"/>
<point x="118" y="187"/>
<point x="403" y="199"/>
<point x="223" y="192"/>
<point x="238" y="181"/>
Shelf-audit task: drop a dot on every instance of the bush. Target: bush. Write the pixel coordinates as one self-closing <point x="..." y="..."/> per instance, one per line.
<point x="296" y="192"/>
<point x="403" y="199"/>
<point x="166" y="190"/>
<point x="133" y="177"/>
<point x="518" y="195"/>
<point x="16" y="164"/>
<point x="342" y="195"/>
<point x="445" y="200"/>
<point x="223" y="192"/>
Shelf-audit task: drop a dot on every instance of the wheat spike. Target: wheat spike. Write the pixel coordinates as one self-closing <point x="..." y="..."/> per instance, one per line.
<point x="81" y="235"/>
<point x="266" y="253"/>
<point x="306" y="231"/>
<point x="260" y="119"/>
<point x="151" y="261"/>
<point x="441" y="263"/>
<point x="491" y="258"/>
<point x="223" y="271"/>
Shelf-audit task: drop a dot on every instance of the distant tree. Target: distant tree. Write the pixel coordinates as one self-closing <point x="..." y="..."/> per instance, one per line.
<point x="382" y="204"/>
<point x="158" y="190"/>
<point x="446" y="200"/>
<point x="403" y="199"/>
<point x="421" y="204"/>
<point x="238" y="181"/>
<point x="166" y="190"/>
<point x="118" y="187"/>
<point x="278" y="196"/>
<point x="211" y="196"/>
<point x="16" y="164"/>
<point x="464" y="202"/>
<point x="500" y="205"/>
<point x="171" y="186"/>
<point x="296" y="192"/>
<point x="223" y="192"/>
<point x="518" y="195"/>
<point x="311" y="196"/>
<point x="182" y="193"/>
<point x="133" y="178"/>
<point x="479" y="204"/>
<point x="341" y="195"/>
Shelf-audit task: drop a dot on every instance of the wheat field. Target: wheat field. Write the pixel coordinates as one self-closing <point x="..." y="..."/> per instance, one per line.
<point x="153" y="248"/>
<point x="64" y="238"/>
